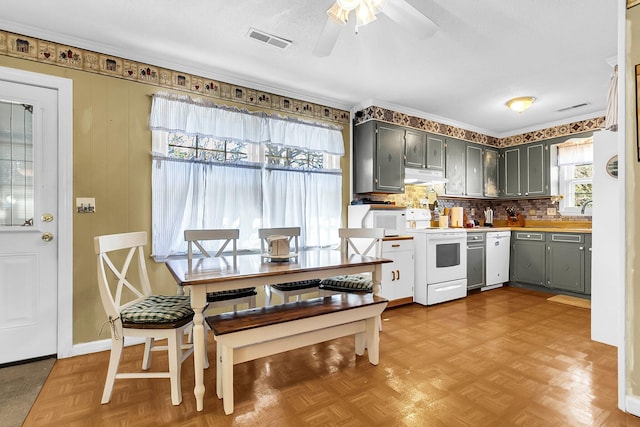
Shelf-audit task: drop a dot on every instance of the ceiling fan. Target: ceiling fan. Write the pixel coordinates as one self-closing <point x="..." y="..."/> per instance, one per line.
<point x="365" y="12"/>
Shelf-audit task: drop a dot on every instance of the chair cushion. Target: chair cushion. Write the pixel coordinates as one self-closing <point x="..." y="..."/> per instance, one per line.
<point x="348" y="283"/>
<point x="158" y="309"/>
<point x="230" y="294"/>
<point x="293" y="286"/>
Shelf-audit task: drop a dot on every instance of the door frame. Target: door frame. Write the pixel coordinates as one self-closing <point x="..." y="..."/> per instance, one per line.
<point x="64" y="239"/>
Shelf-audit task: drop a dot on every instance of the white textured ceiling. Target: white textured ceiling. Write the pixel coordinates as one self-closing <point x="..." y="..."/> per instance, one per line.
<point x="485" y="52"/>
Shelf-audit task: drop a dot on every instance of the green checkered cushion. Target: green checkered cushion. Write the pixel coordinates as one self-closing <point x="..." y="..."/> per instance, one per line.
<point x="158" y="309"/>
<point x="230" y="294"/>
<point x="302" y="284"/>
<point x="348" y="283"/>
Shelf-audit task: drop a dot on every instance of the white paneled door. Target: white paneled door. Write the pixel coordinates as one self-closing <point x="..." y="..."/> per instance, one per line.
<point x="28" y="221"/>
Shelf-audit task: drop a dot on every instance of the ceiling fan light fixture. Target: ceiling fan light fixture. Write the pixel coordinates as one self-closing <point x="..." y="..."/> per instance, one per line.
<point x="338" y="14"/>
<point x="348" y="5"/>
<point x="365" y="13"/>
<point x="520" y="104"/>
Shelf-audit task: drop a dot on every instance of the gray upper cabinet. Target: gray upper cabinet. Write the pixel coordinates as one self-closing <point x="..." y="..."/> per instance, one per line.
<point x="378" y="158"/>
<point x="424" y="150"/>
<point x="415" y="148"/>
<point x="490" y="173"/>
<point x="474" y="178"/>
<point x="511" y="159"/>
<point x="435" y="152"/>
<point x="526" y="170"/>
<point x="455" y="167"/>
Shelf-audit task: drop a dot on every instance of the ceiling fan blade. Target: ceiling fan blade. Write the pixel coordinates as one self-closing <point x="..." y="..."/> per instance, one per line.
<point x="327" y="39"/>
<point x="409" y="18"/>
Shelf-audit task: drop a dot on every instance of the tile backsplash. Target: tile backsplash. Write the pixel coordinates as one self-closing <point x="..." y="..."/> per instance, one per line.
<point x="531" y="209"/>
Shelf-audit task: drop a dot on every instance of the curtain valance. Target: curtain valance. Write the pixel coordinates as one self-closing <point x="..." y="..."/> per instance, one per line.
<point x="574" y="153"/>
<point x="182" y="114"/>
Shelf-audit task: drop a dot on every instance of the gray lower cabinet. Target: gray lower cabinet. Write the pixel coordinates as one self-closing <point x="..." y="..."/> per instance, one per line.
<point x="378" y="158"/>
<point x="528" y="257"/>
<point x="476" y="258"/>
<point x="566" y="261"/>
<point x="554" y="260"/>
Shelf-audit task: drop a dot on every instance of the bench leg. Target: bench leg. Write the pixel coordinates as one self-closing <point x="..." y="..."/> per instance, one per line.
<point x="227" y="379"/>
<point x="373" y="339"/>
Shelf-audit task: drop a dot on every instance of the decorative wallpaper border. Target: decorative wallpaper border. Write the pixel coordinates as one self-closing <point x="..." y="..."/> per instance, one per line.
<point x="389" y="116"/>
<point x="70" y="57"/>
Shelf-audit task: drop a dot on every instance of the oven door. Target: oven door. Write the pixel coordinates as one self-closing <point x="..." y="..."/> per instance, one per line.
<point x="446" y="257"/>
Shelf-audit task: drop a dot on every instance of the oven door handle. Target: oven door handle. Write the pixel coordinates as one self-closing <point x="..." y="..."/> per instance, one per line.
<point x="448" y="236"/>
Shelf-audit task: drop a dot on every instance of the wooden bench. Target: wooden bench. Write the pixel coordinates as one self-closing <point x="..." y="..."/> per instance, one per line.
<point x="250" y="334"/>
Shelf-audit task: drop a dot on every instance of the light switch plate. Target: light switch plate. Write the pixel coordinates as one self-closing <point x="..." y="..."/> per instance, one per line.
<point x="85" y="204"/>
<point x="551" y="211"/>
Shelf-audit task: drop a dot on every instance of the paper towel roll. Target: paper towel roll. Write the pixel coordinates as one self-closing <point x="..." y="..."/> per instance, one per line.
<point x="457" y="217"/>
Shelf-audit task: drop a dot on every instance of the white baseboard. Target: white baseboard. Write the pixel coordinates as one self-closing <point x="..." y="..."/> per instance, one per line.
<point x="101" y="345"/>
<point x="633" y="405"/>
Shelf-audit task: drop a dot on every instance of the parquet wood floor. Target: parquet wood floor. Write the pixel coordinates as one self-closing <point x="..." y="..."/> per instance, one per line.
<point x="507" y="357"/>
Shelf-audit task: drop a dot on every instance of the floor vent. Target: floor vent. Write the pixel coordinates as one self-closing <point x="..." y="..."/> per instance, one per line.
<point x="269" y="39"/>
<point x="573" y="107"/>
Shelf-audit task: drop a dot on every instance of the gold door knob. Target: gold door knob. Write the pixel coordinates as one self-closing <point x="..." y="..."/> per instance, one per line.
<point x="47" y="237"/>
<point x="46" y="217"/>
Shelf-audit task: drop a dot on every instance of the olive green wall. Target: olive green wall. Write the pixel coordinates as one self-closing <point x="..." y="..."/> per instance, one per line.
<point x="632" y="167"/>
<point x="112" y="162"/>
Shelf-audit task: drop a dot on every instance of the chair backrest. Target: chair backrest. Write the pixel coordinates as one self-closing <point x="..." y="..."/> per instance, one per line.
<point x="110" y="249"/>
<point x="363" y="241"/>
<point x="196" y="237"/>
<point x="292" y="232"/>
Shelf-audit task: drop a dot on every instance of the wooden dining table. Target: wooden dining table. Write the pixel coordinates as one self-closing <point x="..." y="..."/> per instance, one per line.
<point x="202" y="275"/>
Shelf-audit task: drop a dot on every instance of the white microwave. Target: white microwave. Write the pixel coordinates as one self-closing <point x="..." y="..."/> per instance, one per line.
<point x="393" y="220"/>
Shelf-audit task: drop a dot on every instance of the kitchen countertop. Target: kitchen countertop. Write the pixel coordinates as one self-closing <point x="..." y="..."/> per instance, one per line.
<point x="534" y="228"/>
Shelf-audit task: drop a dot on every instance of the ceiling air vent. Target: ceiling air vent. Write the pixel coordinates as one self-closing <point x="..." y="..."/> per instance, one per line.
<point x="573" y="107"/>
<point x="269" y="39"/>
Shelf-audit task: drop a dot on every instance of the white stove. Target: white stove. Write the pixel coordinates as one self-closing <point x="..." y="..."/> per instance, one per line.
<point x="440" y="259"/>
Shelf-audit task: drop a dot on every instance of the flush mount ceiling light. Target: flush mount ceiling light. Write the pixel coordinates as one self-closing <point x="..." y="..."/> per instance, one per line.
<point x="520" y="104"/>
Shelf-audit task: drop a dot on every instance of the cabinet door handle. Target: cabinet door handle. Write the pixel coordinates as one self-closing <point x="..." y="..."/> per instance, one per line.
<point x="393" y="276"/>
<point x="581" y="248"/>
<point x="398" y="274"/>
<point x="395" y="246"/>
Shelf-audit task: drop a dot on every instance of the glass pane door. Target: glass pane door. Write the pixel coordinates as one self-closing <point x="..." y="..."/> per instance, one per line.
<point x="16" y="164"/>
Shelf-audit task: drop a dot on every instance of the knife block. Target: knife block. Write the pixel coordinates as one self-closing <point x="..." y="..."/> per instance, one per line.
<point x="515" y="221"/>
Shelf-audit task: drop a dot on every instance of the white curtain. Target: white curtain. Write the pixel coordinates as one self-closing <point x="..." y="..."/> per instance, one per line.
<point x="574" y="153"/>
<point x="189" y="195"/>
<point x="172" y="113"/>
<point x="611" y="115"/>
<point x="194" y="195"/>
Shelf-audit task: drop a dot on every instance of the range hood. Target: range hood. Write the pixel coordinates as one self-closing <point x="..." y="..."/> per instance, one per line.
<point x="423" y="176"/>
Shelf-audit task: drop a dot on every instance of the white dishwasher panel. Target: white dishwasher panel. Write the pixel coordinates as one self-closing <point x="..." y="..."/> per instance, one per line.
<point x="497" y="250"/>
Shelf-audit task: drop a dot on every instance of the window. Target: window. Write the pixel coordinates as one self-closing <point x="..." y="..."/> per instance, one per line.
<point x="218" y="167"/>
<point x="575" y="173"/>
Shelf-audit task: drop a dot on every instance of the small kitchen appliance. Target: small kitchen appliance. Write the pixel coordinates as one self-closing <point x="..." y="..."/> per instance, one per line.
<point x="488" y="217"/>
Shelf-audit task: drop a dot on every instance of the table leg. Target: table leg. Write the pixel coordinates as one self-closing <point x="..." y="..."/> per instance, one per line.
<point x="373" y="339"/>
<point x="376" y="276"/>
<point x="198" y="302"/>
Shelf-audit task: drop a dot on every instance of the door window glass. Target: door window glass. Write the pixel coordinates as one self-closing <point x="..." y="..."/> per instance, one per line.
<point x="16" y="164"/>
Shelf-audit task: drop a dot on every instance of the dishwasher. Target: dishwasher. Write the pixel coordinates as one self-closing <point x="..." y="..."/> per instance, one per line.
<point x="497" y="264"/>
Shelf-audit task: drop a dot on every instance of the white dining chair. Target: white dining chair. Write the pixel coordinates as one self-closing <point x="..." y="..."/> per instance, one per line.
<point x="289" y="290"/>
<point x="233" y="297"/>
<point x="133" y="311"/>
<point x="361" y="241"/>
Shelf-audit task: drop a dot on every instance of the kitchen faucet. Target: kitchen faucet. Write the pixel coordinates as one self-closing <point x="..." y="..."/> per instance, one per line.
<point x="584" y="206"/>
